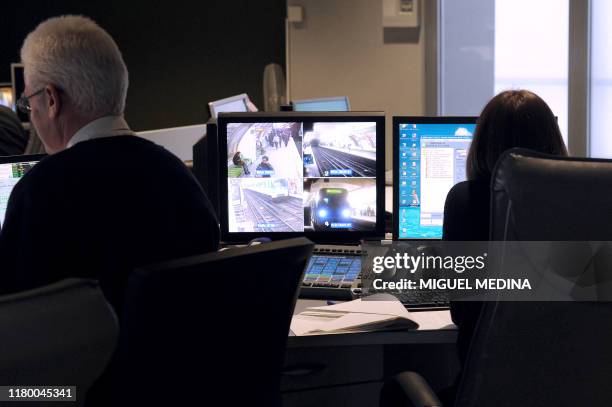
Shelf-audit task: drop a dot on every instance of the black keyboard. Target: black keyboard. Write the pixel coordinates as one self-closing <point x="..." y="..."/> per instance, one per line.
<point x="423" y="299"/>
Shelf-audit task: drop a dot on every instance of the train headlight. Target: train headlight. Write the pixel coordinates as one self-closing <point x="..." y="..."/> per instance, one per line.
<point x="346" y="213"/>
<point x="322" y="213"/>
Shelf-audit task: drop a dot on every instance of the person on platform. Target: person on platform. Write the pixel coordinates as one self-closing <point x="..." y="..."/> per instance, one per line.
<point x="238" y="161"/>
<point x="265" y="168"/>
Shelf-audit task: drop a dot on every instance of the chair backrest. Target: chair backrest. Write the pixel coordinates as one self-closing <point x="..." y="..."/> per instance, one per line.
<point x="541" y="197"/>
<point x="554" y="353"/>
<point x="212" y="327"/>
<point x="63" y="334"/>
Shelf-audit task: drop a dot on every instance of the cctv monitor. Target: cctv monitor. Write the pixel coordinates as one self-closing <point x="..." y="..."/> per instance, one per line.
<point x="18" y="86"/>
<point x="315" y="174"/>
<point x="429" y="158"/>
<point x="333" y="104"/>
<point x="238" y="103"/>
<point x="6" y="95"/>
<point x="11" y="170"/>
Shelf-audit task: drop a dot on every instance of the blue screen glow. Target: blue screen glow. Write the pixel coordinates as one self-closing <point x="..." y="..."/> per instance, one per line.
<point x="432" y="160"/>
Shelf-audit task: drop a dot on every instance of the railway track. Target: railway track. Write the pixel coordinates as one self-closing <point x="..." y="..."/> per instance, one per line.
<point x="269" y="216"/>
<point x="328" y="159"/>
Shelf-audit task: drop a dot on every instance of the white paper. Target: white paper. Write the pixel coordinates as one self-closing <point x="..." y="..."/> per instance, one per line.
<point x="380" y="311"/>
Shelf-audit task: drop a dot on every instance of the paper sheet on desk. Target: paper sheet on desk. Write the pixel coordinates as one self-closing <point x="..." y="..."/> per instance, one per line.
<point x="386" y="312"/>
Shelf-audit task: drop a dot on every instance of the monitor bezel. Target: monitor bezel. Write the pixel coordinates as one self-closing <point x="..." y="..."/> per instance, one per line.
<point x="212" y="105"/>
<point x="397" y="120"/>
<point x="326" y="99"/>
<point x="318" y="237"/>
<point x="11" y="159"/>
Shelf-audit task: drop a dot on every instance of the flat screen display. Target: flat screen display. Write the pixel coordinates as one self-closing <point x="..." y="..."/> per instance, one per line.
<point x="430" y="158"/>
<point x="238" y="103"/>
<point x="6" y="96"/>
<point x="334" y="104"/>
<point x="303" y="174"/>
<point x="18" y="86"/>
<point x="11" y="171"/>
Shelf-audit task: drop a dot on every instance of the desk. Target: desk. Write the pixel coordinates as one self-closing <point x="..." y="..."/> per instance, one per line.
<point x="349" y="369"/>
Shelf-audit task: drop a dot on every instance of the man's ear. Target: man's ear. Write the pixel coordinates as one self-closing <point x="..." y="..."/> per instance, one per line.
<point x="54" y="103"/>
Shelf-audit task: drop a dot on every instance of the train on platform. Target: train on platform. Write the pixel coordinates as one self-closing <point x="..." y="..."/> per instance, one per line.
<point x="330" y="209"/>
<point x="276" y="189"/>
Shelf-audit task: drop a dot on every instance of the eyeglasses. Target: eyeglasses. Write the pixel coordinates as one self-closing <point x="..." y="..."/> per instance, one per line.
<point x="23" y="103"/>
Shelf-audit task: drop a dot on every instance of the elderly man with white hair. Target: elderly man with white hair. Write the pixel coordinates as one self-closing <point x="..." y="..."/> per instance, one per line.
<point x="105" y="201"/>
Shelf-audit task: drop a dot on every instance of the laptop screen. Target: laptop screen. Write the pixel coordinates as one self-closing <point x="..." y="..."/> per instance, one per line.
<point x="11" y="171"/>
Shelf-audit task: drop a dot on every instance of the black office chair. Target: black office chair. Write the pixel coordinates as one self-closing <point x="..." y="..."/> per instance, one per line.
<point x="556" y="353"/>
<point x="212" y="327"/>
<point x="62" y="334"/>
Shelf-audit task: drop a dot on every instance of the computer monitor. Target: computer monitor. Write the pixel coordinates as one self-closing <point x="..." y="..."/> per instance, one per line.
<point x="333" y="104"/>
<point x="206" y="164"/>
<point x="315" y="174"/>
<point x="238" y="103"/>
<point x="11" y="170"/>
<point x="6" y="95"/>
<point x="429" y="158"/>
<point x="18" y="86"/>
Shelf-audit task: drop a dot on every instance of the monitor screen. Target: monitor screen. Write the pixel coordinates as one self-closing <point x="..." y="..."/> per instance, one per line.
<point x="18" y="85"/>
<point x="335" y="104"/>
<point x="11" y="171"/>
<point x="6" y="95"/>
<point x="429" y="159"/>
<point x="319" y="175"/>
<point x="233" y="104"/>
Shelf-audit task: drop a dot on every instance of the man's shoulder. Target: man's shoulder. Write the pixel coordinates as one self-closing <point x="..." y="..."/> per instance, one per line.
<point x="110" y="150"/>
<point x="103" y="155"/>
<point x="125" y="143"/>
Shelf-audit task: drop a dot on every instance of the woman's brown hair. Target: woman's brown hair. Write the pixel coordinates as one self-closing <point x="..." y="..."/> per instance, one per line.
<point x="513" y="118"/>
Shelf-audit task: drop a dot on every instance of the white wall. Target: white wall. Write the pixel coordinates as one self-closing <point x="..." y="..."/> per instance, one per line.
<point x="341" y="48"/>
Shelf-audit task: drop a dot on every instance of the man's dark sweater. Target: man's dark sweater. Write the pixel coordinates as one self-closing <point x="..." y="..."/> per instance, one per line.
<point x="99" y="209"/>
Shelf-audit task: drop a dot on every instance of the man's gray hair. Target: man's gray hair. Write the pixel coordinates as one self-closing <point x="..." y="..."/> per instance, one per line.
<point x="76" y="55"/>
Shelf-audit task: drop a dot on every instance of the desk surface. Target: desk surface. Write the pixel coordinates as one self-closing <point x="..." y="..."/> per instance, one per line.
<point x="423" y="335"/>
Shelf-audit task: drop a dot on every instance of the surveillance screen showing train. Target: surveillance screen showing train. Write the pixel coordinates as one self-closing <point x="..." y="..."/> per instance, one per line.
<point x="301" y="176"/>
